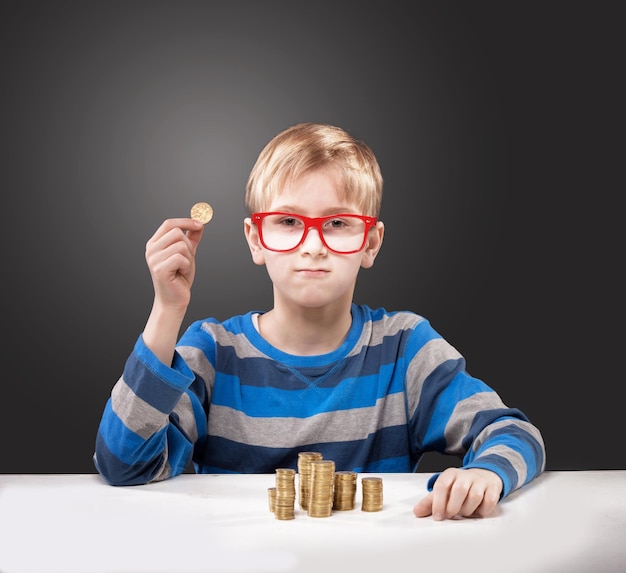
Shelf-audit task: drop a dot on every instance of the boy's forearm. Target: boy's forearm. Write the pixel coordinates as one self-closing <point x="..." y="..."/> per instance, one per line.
<point x="161" y="332"/>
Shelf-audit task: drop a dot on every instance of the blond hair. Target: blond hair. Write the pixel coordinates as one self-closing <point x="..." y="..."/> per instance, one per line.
<point x="307" y="147"/>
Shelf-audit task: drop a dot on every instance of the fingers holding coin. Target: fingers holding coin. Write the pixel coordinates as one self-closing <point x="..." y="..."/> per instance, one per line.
<point x="202" y="212"/>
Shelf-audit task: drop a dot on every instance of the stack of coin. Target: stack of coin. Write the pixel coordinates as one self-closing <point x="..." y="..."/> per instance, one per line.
<point x="285" y="493"/>
<point x="322" y="485"/>
<point x="372" y="493"/>
<point x="271" y="498"/>
<point x="345" y="490"/>
<point x="304" y="476"/>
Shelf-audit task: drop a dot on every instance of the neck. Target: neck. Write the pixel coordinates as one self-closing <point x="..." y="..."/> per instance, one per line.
<point x="306" y="332"/>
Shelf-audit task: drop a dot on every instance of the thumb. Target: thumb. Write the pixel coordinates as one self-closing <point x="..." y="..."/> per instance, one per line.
<point x="424" y="507"/>
<point x="195" y="236"/>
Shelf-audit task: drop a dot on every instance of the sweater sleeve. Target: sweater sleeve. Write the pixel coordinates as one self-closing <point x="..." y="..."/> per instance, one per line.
<point x="455" y="413"/>
<point x="150" y="422"/>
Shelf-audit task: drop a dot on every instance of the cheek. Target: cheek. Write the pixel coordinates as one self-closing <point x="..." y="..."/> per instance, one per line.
<point x="272" y="263"/>
<point x="350" y="265"/>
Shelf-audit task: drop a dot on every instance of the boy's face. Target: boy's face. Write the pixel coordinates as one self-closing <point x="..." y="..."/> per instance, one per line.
<point x="311" y="275"/>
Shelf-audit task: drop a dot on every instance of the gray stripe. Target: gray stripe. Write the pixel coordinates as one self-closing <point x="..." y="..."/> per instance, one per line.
<point x="136" y="414"/>
<point x="186" y="417"/>
<point x="166" y="469"/>
<point x="241" y="344"/>
<point x="434" y="353"/>
<point x="199" y="363"/>
<point x="355" y="424"/>
<point x="463" y="415"/>
<point x="373" y="333"/>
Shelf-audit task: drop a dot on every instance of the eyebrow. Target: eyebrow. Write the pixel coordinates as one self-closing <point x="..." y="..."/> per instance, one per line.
<point x="296" y="210"/>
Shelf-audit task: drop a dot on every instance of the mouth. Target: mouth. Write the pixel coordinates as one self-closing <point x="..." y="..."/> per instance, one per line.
<point x="312" y="272"/>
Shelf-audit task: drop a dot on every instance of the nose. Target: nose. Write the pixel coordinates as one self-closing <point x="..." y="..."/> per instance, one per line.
<point x="313" y="241"/>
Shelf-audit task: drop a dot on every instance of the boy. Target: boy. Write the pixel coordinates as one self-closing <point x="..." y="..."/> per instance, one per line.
<point x="370" y="389"/>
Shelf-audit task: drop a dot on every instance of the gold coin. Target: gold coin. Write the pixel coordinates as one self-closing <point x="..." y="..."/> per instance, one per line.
<point x="202" y="212"/>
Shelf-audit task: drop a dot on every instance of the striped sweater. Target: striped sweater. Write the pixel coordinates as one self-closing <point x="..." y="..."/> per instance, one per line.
<point x="232" y="403"/>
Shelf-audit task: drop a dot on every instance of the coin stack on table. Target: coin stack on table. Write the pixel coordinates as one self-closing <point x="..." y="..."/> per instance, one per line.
<point x="372" y="493"/>
<point x="285" y="493"/>
<point x="304" y="476"/>
<point x="345" y="490"/>
<point x="322" y="486"/>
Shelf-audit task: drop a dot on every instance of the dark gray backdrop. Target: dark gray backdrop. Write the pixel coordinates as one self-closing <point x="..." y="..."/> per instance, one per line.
<point x="497" y="126"/>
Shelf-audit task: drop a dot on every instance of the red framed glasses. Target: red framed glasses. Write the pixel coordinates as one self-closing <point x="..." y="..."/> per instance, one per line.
<point x="344" y="233"/>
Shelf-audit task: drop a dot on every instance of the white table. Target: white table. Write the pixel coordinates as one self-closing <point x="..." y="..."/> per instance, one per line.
<point x="564" y="522"/>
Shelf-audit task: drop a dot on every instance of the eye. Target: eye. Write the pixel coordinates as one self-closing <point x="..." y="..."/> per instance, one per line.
<point x="336" y="224"/>
<point x="290" y="221"/>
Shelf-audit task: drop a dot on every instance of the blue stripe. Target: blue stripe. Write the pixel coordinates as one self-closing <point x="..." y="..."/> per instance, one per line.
<point x="390" y="466"/>
<point x="486" y="417"/>
<point x="142" y="376"/>
<point x="436" y="402"/>
<point x="180" y="449"/>
<point x="196" y="337"/>
<point x="117" y="472"/>
<point x="305" y="400"/>
<point x="149" y="387"/>
<point x="384" y="450"/>
<point x="200" y="406"/>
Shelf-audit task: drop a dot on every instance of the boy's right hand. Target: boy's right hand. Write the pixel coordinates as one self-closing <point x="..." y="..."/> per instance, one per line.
<point x="170" y="254"/>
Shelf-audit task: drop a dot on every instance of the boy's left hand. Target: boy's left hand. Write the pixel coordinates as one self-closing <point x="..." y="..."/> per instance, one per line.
<point x="460" y="492"/>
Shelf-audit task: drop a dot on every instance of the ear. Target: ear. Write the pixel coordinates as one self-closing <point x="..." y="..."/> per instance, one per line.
<point x="252" y="237"/>
<point x="373" y="245"/>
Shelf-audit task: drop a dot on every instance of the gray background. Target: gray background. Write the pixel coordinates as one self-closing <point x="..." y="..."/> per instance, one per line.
<point x="499" y="129"/>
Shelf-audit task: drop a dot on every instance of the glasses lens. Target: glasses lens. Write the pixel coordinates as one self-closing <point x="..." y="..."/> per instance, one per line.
<point x="342" y="234"/>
